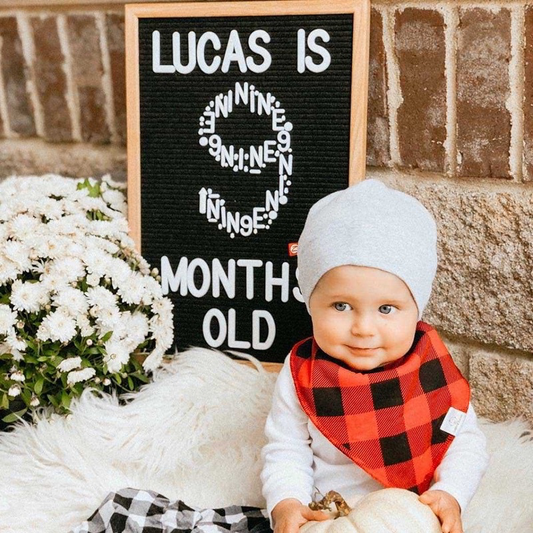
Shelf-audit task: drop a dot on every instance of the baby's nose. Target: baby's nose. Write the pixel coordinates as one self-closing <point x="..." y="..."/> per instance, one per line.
<point x="363" y="325"/>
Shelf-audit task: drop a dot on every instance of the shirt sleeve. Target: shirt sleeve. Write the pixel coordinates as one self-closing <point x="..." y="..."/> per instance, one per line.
<point x="465" y="462"/>
<point x="287" y="456"/>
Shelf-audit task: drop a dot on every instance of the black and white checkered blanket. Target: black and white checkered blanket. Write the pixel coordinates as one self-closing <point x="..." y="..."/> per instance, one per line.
<point x="143" y="511"/>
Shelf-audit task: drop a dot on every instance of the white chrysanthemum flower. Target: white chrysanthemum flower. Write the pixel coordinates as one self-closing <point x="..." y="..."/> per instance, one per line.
<point x="50" y="208"/>
<point x="97" y="261"/>
<point x="77" y="376"/>
<point x="8" y="318"/>
<point x="57" y="326"/>
<point x="119" y="271"/>
<point x="162" y="306"/>
<point x="14" y="343"/>
<point x="14" y="391"/>
<point x="93" y="280"/>
<point x="19" y="254"/>
<point x="117" y="355"/>
<point x="54" y="284"/>
<point x="138" y="328"/>
<point x="68" y="364"/>
<point x="72" y="300"/>
<point x="101" y="298"/>
<point x="68" y="268"/>
<point x="115" y="199"/>
<point x="8" y="271"/>
<point x="107" y="319"/>
<point x="23" y="225"/>
<point x="132" y="289"/>
<point x="99" y="243"/>
<point x="84" y="325"/>
<point x="154" y="288"/>
<point x="30" y="297"/>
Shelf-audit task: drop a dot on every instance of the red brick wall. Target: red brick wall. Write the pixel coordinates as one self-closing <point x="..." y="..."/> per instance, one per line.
<point x="442" y="76"/>
<point x="63" y="76"/>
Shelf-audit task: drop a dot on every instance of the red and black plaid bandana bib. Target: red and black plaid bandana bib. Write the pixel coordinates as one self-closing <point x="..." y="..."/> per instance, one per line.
<point x="387" y="421"/>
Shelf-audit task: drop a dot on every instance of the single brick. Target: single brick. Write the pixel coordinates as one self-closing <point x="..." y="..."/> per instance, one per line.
<point x="115" y="41"/>
<point x="19" y="106"/>
<point x="378" y="148"/>
<point x="421" y="52"/>
<point x="84" y="40"/>
<point x="51" y="80"/>
<point x="528" y="95"/>
<point x="483" y="87"/>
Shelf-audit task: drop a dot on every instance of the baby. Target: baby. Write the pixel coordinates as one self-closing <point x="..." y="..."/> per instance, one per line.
<point x="373" y="399"/>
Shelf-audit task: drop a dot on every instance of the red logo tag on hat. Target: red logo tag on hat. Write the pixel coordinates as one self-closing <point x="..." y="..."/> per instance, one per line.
<point x="293" y="249"/>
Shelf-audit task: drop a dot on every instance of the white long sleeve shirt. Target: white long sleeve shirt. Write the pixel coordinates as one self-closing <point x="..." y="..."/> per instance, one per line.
<point x="298" y="459"/>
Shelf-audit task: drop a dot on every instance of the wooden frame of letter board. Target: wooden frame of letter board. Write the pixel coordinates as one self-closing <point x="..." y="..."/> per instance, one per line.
<point x="360" y="57"/>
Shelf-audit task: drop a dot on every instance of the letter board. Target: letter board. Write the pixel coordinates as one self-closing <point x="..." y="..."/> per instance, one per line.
<point x="241" y="115"/>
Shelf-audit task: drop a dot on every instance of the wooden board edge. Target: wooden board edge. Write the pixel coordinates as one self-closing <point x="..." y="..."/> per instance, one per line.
<point x="359" y="97"/>
<point x="245" y="8"/>
<point x="133" y="116"/>
<point x="269" y="367"/>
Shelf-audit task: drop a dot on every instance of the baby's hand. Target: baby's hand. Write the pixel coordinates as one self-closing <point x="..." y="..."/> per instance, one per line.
<point x="446" y="508"/>
<point x="289" y="515"/>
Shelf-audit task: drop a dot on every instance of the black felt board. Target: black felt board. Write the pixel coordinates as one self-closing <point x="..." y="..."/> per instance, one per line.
<point x="176" y="168"/>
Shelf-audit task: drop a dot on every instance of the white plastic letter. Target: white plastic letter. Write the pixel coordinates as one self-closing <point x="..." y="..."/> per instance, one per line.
<point x="191" y="54"/>
<point x="202" y="41"/>
<point x="174" y="281"/>
<point x="257" y="344"/>
<point x="232" y="331"/>
<point x="234" y="52"/>
<point x="317" y="49"/>
<point x="206" y="277"/>
<point x="249" y="264"/>
<point x="257" y="49"/>
<point x="156" y="56"/>
<point x="222" y="327"/>
<point x="270" y="281"/>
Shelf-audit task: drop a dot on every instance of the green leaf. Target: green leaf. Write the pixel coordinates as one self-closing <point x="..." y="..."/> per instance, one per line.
<point x="4" y="403"/>
<point x="130" y="383"/>
<point x="107" y="336"/>
<point x="65" y="399"/>
<point x="38" y="388"/>
<point x="53" y="400"/>
<point x="13" y="417"/>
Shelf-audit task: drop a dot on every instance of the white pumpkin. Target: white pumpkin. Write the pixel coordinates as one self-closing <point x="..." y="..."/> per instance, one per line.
<point x="383" y="511"/>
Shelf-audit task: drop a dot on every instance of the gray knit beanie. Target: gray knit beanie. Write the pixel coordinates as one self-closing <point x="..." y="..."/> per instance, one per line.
<point x="369" y="224"/>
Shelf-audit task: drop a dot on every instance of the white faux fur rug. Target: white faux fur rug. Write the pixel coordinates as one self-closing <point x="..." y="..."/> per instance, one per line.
<point x="195" y="435"/>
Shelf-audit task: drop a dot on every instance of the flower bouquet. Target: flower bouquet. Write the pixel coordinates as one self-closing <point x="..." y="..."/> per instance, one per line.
<point x="79" y="307"/>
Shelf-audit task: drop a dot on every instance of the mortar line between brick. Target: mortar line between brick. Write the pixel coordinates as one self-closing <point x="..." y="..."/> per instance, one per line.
<point x="28" y="51"/>
<point x="451" y="21"/>
<point x="496" y="185"/>
<point x="3" y="101"/>
<point x="516" y="98"/>
<point x="394" y="94"/>
<point x="72" y="96"/>
<point x="107" y="82"/>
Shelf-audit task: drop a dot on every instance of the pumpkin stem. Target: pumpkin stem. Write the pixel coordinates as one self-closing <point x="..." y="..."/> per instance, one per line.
<point x="343" y="509"/>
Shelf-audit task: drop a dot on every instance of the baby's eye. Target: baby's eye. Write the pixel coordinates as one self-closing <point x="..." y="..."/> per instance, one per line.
<point x="341" y="306"/>
<point x="386" y="309"/>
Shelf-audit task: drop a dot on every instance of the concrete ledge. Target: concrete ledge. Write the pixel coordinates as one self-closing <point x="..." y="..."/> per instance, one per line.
<point x="35" y="157"/>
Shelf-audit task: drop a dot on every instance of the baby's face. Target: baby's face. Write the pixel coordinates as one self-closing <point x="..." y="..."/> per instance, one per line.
<point x="363" y="316"/>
